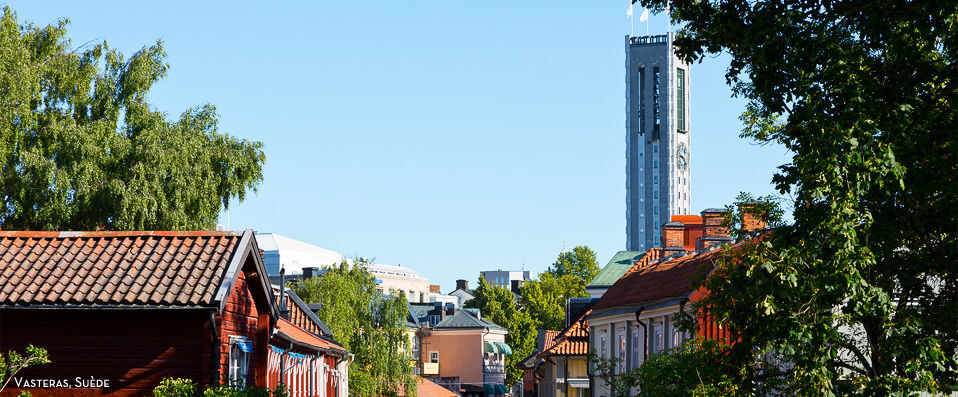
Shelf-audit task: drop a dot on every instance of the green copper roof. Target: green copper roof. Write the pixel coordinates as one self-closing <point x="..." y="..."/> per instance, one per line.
<point x="620" y="263"/>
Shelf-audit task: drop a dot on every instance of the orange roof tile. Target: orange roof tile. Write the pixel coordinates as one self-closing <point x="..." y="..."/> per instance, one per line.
<point x="427" y="388"/>
<point x="572" y="341"/>
<point x="114" y="268"/>
<point x="303" y="336"/>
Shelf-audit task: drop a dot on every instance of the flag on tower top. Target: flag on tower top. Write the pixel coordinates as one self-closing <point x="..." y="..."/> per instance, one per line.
<point x="645" y="15"/>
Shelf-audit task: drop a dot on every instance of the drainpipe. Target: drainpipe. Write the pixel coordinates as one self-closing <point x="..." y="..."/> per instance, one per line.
<point x="645" y="350"/>
<point x="282" y="367"/>
<point x="215" y="351"/>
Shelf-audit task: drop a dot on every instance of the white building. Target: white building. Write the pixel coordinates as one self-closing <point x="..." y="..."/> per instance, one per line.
<point x="281" y="252"/>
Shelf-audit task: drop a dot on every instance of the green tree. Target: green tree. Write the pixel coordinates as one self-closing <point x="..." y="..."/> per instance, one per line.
<point x="544" y="299"/>
<point x="81" y="149"/>
<point x="14" y="362"/>
<point x="370" y="325"/>
<point x="579" y="263"/>
<point x="858" y="295"/>
<point x="498" y="305"/>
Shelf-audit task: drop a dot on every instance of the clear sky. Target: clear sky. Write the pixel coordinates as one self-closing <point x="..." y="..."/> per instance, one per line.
<point x="445" y="136"/>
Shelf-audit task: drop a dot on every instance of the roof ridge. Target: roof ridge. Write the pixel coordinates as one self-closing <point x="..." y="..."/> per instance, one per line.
<point x="119" y="233"/>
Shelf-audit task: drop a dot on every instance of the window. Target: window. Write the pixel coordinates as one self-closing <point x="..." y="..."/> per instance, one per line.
<point x="680" y="99"/>
<point x="602" y="351"/>
<point x="641" y="101"/>
<point x="635" y="348"/>
<point x="414" y="347"/>
<point x="656" y="87"/>
<point x="655" y="179"/>
<point x="240" y="349"/>
<point x="434" y="356"/>
<point x="655" y="163"/>
<point x="621" y="351"/>
<point x="655" y="194"/>
<point x="659" y="340"/>
<point x="656" y="209"/>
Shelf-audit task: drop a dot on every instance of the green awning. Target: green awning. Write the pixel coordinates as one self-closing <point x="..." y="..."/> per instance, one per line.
<point x="502" y="389"/>
<point x="492" y="347"/>
<point x="490" y="389"/>
<point x="504" y="348"/>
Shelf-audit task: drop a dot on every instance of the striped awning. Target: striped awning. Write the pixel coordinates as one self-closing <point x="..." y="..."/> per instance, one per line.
<point x="492" y="347"/>
<point x="504" y="348"/>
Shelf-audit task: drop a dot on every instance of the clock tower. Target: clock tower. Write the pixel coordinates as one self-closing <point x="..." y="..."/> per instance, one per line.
<point x="658" y="147"/>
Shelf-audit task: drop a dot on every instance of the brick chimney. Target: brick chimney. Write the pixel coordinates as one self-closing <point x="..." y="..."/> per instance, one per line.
<point x="462" y="284"/>
<point x="433" y="289"/>
<point x="673" y="236"/>
<point x="713" y="232"/>
<point x="751" y="221"/>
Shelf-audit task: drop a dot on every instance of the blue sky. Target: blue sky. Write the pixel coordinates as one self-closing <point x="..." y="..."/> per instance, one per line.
<point x="445" y="136"/>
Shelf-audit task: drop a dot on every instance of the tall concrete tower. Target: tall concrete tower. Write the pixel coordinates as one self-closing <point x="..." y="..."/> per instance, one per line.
<point x="657" y="138"/>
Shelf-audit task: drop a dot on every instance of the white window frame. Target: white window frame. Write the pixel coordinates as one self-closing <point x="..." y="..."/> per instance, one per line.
<point x="434" y="353"/>
<point x="238" y="362"/>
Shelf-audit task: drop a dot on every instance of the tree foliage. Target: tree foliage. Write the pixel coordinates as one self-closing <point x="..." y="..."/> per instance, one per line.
<point x="82" y="149"/>
<point x="369" y="324"/>
<point x="579" y="263"/>
<point x="858" y="296"/>
<point x="498" y="305"/>
<point x="14" y="362"/>
<point x="544" y="299"/>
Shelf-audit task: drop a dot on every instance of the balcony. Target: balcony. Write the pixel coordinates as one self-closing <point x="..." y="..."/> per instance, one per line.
<point x="493" y="368"/>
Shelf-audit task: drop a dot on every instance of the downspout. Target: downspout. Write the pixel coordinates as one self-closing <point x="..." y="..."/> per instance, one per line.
<point x="215" y="351"/>
<point x="282" y="368"/>
<point x="645" y="350"/>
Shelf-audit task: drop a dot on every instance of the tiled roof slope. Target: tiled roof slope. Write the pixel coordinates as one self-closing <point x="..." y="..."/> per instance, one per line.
<point x="113" y="268"/>
<point x="300" y="315"/>
<point x="617" y="266"/>
<point x="670" y="278"/>
<point x="572" y="341"/>
<point x="465" y="318"/>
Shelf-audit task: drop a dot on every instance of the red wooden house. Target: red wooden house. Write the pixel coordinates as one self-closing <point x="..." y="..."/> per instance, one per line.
<point x="127" y="309"/>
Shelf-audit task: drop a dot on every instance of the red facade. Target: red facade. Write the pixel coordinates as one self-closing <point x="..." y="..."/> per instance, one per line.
<point x="119" y="312"/>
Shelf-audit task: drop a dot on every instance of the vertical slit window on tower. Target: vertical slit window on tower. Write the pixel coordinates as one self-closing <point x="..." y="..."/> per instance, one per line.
<point x="655" y="102"/>
<point x="680" y="99"/>
<point x="641" y="101"/>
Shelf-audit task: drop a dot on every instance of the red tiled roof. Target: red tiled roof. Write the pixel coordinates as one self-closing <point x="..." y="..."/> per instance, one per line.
<point x="114" y="268"/>
<point x="296" y="314"/>
<point x="427" y="388"/>
<point x="549" y="338"/>
<point x="292" y="332"/>
<point x="671" y="278"/>
<point x="572" y="341"/>
<point x="650" y="256"/>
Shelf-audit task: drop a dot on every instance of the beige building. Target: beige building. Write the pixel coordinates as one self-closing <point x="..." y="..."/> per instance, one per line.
<point x="466" y="346"/>
<point x="390" y="279"/>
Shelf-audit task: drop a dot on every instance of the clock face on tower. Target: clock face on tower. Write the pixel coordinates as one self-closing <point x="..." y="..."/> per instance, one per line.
<point x="682" y="156"/>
